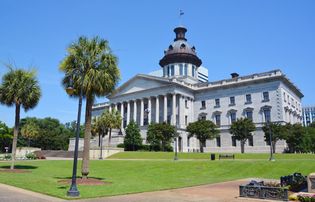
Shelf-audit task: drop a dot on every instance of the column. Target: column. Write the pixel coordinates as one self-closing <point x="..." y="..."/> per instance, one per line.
<point x="149" y="113"/>
<point x="141" y="112"/>
<point x="135" y="111"/>
<point x="110" y="107"/>
<point x="128" y="112"/>
<point x="192" y="115"/>
<point x="157" y="110"/>
<point x="115" y="105"/>
<point x="174" y="110"/>
<point x="165" y="109"/>
<point x="122" y="114"/>
<point x="181" y="111"/>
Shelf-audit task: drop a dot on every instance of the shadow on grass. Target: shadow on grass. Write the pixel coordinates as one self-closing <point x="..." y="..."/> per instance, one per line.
<point x="24" y="167"/>
<point x="63" y="178"/>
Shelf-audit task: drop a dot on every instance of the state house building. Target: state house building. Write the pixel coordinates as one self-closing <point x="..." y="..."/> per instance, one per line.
<point x="180" y="95"/>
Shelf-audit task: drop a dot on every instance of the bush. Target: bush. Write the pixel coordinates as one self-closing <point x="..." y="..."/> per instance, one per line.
<point x="306" y="198"/>
<point x="121" y="145"/>
<point x="31" y="156"/>
<point x="7" y="157"/>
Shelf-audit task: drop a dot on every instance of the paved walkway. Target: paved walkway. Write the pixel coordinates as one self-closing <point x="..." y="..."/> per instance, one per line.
<point x="220" y="192"/>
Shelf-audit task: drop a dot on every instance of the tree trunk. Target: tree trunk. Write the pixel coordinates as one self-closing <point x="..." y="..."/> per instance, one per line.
<point x="201" y="145"/>
<point x="242" y="146"/>
<point x="109" y="137"/>
<point x="87" y="138"/>
<point x="15" y="133"/>
<point x="274" y="146"/>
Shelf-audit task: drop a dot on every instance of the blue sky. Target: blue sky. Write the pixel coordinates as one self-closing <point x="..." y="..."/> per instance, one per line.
<point x="244" y="36"/>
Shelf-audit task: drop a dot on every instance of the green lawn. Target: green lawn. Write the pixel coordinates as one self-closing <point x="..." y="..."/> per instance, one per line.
<point x="170" y="155"/>
<point x="130" y="176"/>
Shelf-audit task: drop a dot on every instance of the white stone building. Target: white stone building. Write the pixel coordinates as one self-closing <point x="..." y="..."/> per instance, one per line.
<point x="179" y="98"/>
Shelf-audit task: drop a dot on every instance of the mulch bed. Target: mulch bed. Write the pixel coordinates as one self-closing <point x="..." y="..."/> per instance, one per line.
<point x="88" y="181"/>
<point x="14" y="171"/>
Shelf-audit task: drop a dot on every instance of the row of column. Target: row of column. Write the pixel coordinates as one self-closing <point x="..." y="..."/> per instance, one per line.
<point x="180" y="108"/>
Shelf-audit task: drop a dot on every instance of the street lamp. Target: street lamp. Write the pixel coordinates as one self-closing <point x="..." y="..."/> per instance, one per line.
<point x="175" y="140"/>
<point x="73" y="191"/>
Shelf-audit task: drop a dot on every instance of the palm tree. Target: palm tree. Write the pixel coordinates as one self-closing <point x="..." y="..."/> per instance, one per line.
<point x="30" y="130"/>
<point x="242" y="130"/>
<point x="20" y="88"/>
<point x="112" y="119"/>
<point x="90" y="66"/>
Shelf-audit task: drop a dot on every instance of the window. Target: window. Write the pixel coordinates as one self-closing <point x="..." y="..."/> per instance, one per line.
<point x="188" y="141"/>
<point x="249" y="114"/>
<point x="203" y="104"/>
<point x="186" y="103"/>
<point x="185" y="69"/>
<point x="232" y="100"/>
<point x="218" y="140"/>
<point x="168" y="71"/>
<point x="284" y="97"/>
<point x="193" y="70"/>
<point x="267" y="115"/>
<point x="218" y="119"/>
<point x="233" y="117"/>
<point x="172" y="70"/>
<point x="217" y="102"/>
<point x="186" y="120"/>
<point x="181" y="69"/>
<point x="203" y="117"/>
<point x="251" y="141"/>
<point x="248" y="99"/>
<point x="288" y="99"/>
<point x="233" y="141"/>
<point x="265" y="96"/>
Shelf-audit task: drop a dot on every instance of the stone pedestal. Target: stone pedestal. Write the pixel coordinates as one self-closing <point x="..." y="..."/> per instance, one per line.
<point x="311" y="183"/>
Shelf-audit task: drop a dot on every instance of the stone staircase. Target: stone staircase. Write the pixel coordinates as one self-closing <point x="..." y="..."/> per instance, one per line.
<point x="60" y="153"/>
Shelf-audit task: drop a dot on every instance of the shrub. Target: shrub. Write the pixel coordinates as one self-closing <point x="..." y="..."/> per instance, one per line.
<point x="121" y="145"/>
<point x="306" y="198"/>
<point x="31" y="156"/>
<point x="7" y="157"/>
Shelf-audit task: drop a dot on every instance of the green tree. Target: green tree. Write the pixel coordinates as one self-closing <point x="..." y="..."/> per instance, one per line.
<point x="71" y="126"/>
<point x="21" y="89"/>
<point x="203" y="130"/>
<point x="278" y="132"/>
<point x="132" y="140"/>
<point x="6" y="136"/>
<point x="294" y="136"/>
<point x="30" y="131"/>
<point x="90" y="65"/>
<point x="242" y="130"/>
<point x="111" y="119"/>
<point x="160" y="135"/>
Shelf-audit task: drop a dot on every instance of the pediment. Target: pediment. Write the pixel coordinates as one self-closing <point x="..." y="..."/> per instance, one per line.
<point x="140" y="83"/>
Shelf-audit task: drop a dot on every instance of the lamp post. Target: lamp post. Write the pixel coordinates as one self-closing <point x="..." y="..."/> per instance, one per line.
<point x="73" y="190"/>
<point x="175" y="157"/>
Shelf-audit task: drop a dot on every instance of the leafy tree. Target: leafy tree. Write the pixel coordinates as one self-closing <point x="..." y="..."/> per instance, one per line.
<point x="30" y="131"/>
<point x="160" y="135"/>
<point x="242" y="130"/>
<point x="132" y="140"/>
<point x="278" y="132"/>
<point x="21" y="89"/>
<point x="52" y="135"/>
<point x="6" y="136"/>
<point x="312" y="125"/>
<point x="90" y="65"/>
<point x="71" y="126"/>
<point x="294" y="136"/>
<point x="203" y="130"/>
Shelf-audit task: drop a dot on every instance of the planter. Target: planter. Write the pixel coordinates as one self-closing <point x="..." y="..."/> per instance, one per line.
<point x="261" y="191"/>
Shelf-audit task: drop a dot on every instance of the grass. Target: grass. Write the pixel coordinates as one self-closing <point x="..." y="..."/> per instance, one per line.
<point x="131" y="176"/>
<point x="170" y="155"/>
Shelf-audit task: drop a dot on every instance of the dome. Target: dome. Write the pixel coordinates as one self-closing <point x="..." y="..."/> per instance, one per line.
<point x="180" y="51"/>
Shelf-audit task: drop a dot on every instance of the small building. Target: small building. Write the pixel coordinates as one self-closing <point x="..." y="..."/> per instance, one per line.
<point x="308" y="115"/>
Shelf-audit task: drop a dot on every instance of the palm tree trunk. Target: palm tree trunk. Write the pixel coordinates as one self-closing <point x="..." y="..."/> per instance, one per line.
<point x="87" y="137"/>
<point x="15" y="133"/>
<point x="242" y="146"/>
<point x="274" y="146"/>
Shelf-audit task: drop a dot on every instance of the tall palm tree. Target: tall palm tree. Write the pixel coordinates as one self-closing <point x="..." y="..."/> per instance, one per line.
<point x="30" y="130"/>
<point x="20" y="88"/>
<point x="112" y="119"/>
<point x="90" y="65"/>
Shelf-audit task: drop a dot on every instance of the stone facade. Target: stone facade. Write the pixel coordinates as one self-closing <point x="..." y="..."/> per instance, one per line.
<point x="179" y="98"/>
